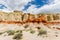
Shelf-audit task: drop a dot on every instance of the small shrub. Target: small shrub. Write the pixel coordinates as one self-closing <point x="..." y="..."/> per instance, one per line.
<point x="1" y="33"/>
<point x="19" y="31"/>
<point x="42" y="32"/>
<point x="10" y="32"/>
<point x="32" y="31"/>
<point x="18" y="36"/>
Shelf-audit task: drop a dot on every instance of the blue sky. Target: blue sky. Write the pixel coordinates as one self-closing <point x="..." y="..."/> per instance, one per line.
<point x="38" y="3"/>
<point x="2" y="6"/>
<point x="31" y="6"/>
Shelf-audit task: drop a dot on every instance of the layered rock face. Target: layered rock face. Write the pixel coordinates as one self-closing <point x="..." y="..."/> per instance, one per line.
<point x="20" y="17"/>
<point x="17" y="25"/>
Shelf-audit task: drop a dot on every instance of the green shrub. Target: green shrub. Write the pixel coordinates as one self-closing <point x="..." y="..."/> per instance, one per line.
<point x="42" y="32"/>
<point x="18" y="36"/>
<point x="11" y="32"/>
<point x="19" y="31"/>
<point x="32" y="31"/>
<point x="1" y="33"/>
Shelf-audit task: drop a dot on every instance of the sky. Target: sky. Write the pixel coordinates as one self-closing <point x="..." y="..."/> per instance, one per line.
<point x="30" y="6"/>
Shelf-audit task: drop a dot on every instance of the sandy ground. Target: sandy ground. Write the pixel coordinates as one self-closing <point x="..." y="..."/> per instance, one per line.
<point x="51" y="33"/>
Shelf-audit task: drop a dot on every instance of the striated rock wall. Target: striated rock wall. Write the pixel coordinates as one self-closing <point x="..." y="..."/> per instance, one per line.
<point x="20" y="17"/>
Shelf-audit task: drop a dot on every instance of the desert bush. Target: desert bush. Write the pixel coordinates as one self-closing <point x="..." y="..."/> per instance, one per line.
<point x="32" y="31"/>
<point x="11" y="32"/>
<point x="42" y="32"/>
<point x="18" y="36"/>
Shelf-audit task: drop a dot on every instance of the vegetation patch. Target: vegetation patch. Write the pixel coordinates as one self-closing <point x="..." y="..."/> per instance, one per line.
<point x="42" y="32"/>
<point x="11" y="32"/>
<point x="1" y="33"/>
<point x="18" y="36"/>
<point x="32" y="31"/>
